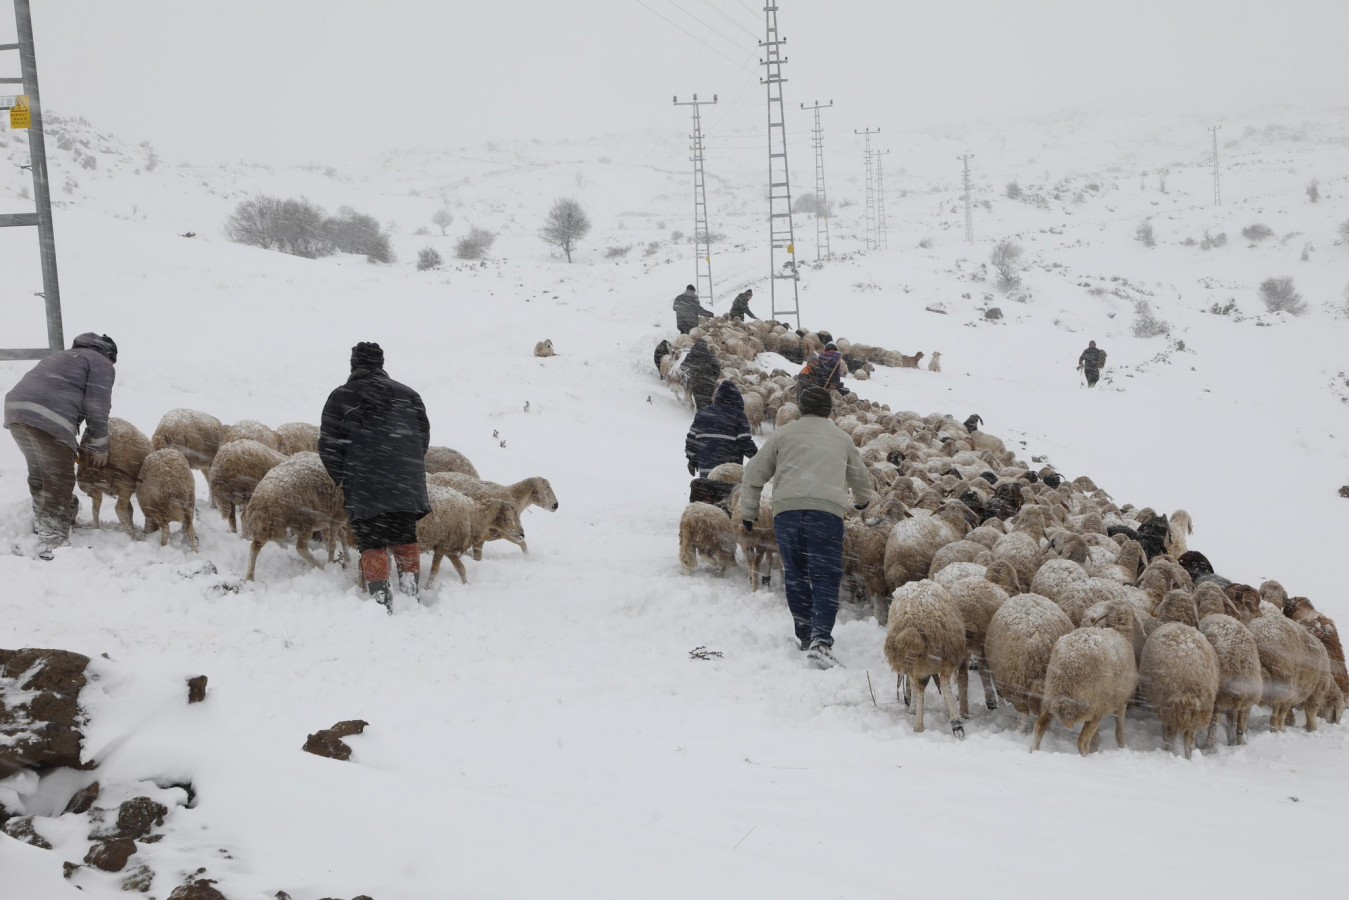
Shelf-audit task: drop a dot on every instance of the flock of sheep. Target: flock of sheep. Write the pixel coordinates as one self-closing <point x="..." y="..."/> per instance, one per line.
<point x="1071" y="607"/>
<point x="275" y="479"/>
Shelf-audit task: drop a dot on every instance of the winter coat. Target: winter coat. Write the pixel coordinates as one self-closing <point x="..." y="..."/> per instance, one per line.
<point x="701" y="372"/>
<point x="65" y="389"/>
<point x="1092" y="358"/>
<point x="740" y="307"/>
<point x="812" y="463"/>
<point x="720" y="432"/>
<point x="826" y="370"/>
<point x="687" y="310"/>
<point x="372" y="440"/>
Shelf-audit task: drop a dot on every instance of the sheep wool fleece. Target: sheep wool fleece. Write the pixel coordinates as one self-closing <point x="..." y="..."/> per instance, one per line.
<point x="812" y="463"/>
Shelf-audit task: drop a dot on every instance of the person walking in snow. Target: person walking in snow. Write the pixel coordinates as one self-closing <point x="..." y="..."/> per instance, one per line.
<point x="740" y="306"/>
<point x="688" y="310"/>
<point x="372" y="440"/>
<point x="812" y="464"/>
<point x="43" y="412"/>
<point x="1091" y="362"/>
<point x="825" y="369"/>
<point x="701" y="372"/>
<point x="720" y="432"/>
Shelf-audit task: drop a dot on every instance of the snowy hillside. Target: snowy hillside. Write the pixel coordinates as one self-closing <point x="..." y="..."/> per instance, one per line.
<point x="544" y="731"/>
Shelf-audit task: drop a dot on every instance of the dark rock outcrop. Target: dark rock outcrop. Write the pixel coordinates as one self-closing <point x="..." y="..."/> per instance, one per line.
<point x="196" y="689"/>
<point x="201" y="889"/>
<point x="21" y="829"/>
<point x="328" y="742"/>
<point x="40" y="718"/>
<point x="111" y="856"/>
<point x="84" y="798"/>
<point x="137" y="816"/>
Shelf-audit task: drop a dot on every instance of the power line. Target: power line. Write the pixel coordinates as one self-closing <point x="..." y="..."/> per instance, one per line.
<point x="731" y="19"/>
<point x="738" y="64"/>
<point x="700" y="21"/>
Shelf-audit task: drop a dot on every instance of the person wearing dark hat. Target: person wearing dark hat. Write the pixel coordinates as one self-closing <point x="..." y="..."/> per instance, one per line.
<point x="372" y="440"/>
<point x="740" y="306"/>
<point x="1091" y="362"/>
<point x="43" y="412"/>
<point x="813" y="465"/>
<point x="825" y="369"/>
<point x="701" y="372"/>
<point x="720" y="432"/>
<point x="688" y="310"/>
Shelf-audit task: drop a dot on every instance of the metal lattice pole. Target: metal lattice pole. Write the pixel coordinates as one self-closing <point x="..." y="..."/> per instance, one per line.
<point x="781" y="232"/>
<point x="870" y="214"/>
<point x="881" y="240"/>
<point x="969" y="210"/>
<point x="42" y="217"/>
<point x="1217" y="187"/>
<point x="822" y="250"/>
<point x="702" y="237"/>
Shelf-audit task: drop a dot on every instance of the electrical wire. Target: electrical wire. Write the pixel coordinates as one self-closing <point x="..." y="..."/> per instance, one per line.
<point x="694" y="16"/>
<point x="737" y="63"/>
<point x="734" y="21"/>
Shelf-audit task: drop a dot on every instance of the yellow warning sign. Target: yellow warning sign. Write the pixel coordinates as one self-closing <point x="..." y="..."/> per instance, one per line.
<point x="20" y="116"/>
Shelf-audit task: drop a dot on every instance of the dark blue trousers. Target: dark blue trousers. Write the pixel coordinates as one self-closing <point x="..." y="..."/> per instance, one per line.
<point x="811" y="544"/>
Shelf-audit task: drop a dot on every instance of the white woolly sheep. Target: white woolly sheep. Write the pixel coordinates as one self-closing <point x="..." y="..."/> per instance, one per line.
<point x="166" y="493"/>
<point x="458" y="523"/>
<point x="298" y="437"/>
<point x="979" y="601"/>
<point x="963" y="550"/>
<point x="1292" y="662"/>
<point x="1240" y="684"/>
<point x="1091" y="674"/>
<point x="193" y="433"/>
<point x="295" y="499"/>
<point x="788" y="412"/>
<point x="1021" y="636"/>
<point x="127" y="448"/>
<point x="754" y="411"/>
<point x="1179" y="677"/>
<point x="1054" y="577"/>
<point x="443" y="459"/>
<point x="706" y="529"/>
<point x="544" y="348"/>
<point x="926" y="638"/>
<point x="1179" y="525"/>
<point x="727" y="473"/>
<point x="235" y="473"/>
<point x="251" y="430"/>
<point x="914" y="542"/>
<point x="521" y="495"/>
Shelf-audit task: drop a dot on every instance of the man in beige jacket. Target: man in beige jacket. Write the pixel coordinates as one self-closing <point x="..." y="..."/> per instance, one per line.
<point x="812" y="464"/>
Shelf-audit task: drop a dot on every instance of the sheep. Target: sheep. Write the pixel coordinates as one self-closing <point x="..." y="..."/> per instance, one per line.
<point x="1327" y="700"/>
<point x="457" y="523"/>
<point x="864" y="540"/>
<point x="297" y="497"/>
<point x="787" y="413"/>
<point x="914" y="542"/>
<point x="978" y="600"/>
<point x="297" y="437"/>
<point x="963" y="550"/>
<point x="1127" y="566"/>
<point x="1163" y="574"/>
<point x="1179" y="525"/>
<point x="521" y="495"/>
<point x="1177" y="606"/>
<point x="1179" y="677"/>
<point x="166" y="493"/>
<point x="1021" y="636"/>
<point x="193" y="433"/>
<point x="705" y="529"/>
<point x="1239" y="681"/>
<point x="1001" y="573"/>
<point x="754" y="411"/>
<point x="443" y="459"/>
<point x="925" y="638"/>
<point x="544" y="348"/>
<point x="235" y="473"/>
<point x="127" y="448"/>
<point x="248" y="429"/>
<point x="1301" y="611"/>
<point x="1291" y="664"/>
<point x="934" y="364"/>
<point x="1055" y="576"/>
<point x="727" y="473"/>
<point x="1091" y="674"/>
<point x="759" y="544"/>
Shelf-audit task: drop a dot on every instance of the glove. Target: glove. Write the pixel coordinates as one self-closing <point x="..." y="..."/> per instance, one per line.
<point x="693" y="467"/>
<point x="97" y="459"/>
<point x="748" y="524"/>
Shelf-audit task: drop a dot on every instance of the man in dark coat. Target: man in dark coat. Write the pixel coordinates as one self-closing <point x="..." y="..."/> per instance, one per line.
<point x="701" y="373"/>
<point x="688" y="310"/>
<point x="1090" y="362"/>
<point x="740" y="306"/>
<point x="720" y="432"/>
<point x="825" y="370"/>
<point x="373" y="441"/>
<point x="43" y="412"/>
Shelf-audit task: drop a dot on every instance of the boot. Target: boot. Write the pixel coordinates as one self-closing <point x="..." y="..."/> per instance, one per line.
<point x="381" y="592"/>
<point x="375" y="572"/>
<point x="408" y="559"/>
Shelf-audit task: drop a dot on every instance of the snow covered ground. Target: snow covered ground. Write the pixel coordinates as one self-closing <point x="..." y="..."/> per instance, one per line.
<point x="543" y="731"/>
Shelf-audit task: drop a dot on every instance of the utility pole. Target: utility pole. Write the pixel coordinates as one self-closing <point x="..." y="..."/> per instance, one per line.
<point x="31" y="104"/>
<point x="821" y="201"/>
<point x="781" y="232"/>
<point x="1217" y="188"/>
<point x="969" y="211"/>
<point x="702" y="238"/>
<point x="871" y="187"/>
<point x="881" y="242"/>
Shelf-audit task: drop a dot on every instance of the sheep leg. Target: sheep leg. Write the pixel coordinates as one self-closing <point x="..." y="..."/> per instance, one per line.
<point x="1088" y="735"/>
<point x="1119" y="725"/>
<point x="956" y="728"/>
<point x="436" y="556"/>
<point x="1041" y="726"/>
<point x="1188" y="739"/>
<point x="302" y="548"/>
<point x="253" y="552"/>
<point x="963" y="671"/>
<point x="1276" y="717"/>
<point x="164" y="536"/>
<point x="1309" y="713"/>
<point x="1242" y="720"/>
<point x="123" y="509"/>
<point x="96" y="501"/>
<point x="986" y="677"/>
<point x="189" y="531"/>
<point x="477" y="550"/>
<point x="919" y="692"/>
<point x="458" y="567"/>
<point x="1212" y="736"/>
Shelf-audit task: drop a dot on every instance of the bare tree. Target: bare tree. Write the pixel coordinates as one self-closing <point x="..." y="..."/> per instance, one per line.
<point x="1314" y="190"/>
<point x="1006" y="258"/>
<point x="1280" y="296"/>
<point x="442" y="219"/>
<point x="566" y="224"/>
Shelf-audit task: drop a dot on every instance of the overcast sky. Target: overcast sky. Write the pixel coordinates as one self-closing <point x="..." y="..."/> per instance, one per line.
<point x="337" y="81"/>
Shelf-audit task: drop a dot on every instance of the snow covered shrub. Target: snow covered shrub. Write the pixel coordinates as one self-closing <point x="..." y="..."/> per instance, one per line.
<point x="1314" y="190"/>
<point x="1146" y="324"/>
<point x="651" y="249"/>
<point x="1279" y="296"/>
<point x="428" y="258"/>
<point x="1143" y="233"/>
<point x="676" y="236"/>
<point x="442" y="219"/>
<point x="381" y="250"/>
<point x="290" y="226"/>
<point x="151" y="157"/>
<point x="1344" y="231"/>
<point x="809" y="203"/>
<point x="1211" y="241"/>
<point x="1257" y="232"/>
<point x="1013" y="190"/>
<point x="1006" y="258"/>
<point x="353" y="232"/>
<point x="475" y="245"/>
<point x="617" y="252"/>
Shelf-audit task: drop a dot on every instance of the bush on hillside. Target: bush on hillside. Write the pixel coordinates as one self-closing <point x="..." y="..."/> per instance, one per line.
<point x="290" y="226"/>
<point x="617" y="252"/>
<point x="1257" y="232"/>
<point x="428" y="258"/>
<point x="1280" y="296"/>
<point x="1006" y="259"/>
<point x="353" y="232"/>
<point x="1314" y="190"/>
<point x="809" y="204"/>
<point x="1211" y="241"/>
<point x="475" y="245"/>
<point x="1013" y="190"/>
<point x="1143" y="233"/>
<point x="1146" y="323"/>
<point x="1344" y="231"/>
<point x="442" y="219"/>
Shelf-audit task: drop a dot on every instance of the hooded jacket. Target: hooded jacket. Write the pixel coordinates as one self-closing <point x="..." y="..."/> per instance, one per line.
<point x="1092" y="358"/>
<point x="687" y="309"/>
<point x="372" y="440"/>
<point x="67" y="388"/>
<point x="812" y="464"/>
<point x="701" y="371"/>
<point x="826" y="370"/>
<point x="740" y="307"/>
<point x="720" y="432"/>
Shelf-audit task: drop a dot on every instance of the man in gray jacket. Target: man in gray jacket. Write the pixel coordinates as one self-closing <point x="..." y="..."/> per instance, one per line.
<point x="812" y="464"/>
<point x="44" y="411"/>
<point x="688" y="310"/>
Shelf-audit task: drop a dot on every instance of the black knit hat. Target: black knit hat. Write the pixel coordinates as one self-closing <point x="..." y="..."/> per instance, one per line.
<point x="689" y="287"/>
<point x="815" y="401"/>
<point x="367" y="355"/>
